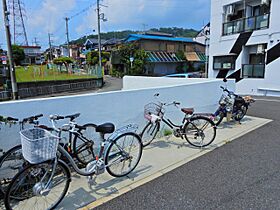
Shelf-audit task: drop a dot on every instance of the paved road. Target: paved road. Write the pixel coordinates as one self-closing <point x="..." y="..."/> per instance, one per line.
<point x="244" y="174"/>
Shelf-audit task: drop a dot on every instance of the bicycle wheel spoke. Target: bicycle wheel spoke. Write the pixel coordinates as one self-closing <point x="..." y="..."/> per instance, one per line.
<point x="200" y="131"/>
<point x="28" y="189"/>
<point x="123" y="155"/>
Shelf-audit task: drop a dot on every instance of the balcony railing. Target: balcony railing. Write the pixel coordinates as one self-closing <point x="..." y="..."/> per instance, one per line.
<point x="253" y="70"/>
<point x="246" y="24"/>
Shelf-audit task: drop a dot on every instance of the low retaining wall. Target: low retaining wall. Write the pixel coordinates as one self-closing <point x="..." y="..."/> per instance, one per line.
<point x="30" y="89"/>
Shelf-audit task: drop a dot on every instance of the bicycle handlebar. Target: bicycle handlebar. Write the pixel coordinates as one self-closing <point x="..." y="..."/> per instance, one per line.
<point x="32" y="118"/>
<point x="11" y="119"/>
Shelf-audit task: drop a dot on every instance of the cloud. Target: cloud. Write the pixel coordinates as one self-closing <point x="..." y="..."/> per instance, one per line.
<point x="47" y="16"/>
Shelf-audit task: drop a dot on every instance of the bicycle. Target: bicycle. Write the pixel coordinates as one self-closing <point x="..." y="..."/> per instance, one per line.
<point x="12" y="160"/>
<point x="79" y="146"/>
<point x="49" y="174"/>
<point x="199" y="131"/>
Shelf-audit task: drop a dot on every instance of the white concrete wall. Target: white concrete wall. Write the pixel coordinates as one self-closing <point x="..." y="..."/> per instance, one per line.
<point x="120" y="107"/>
<point x="136" y="82"/>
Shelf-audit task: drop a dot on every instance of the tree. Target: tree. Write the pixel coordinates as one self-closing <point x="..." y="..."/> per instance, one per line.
<point x="93" y="57"/>
<point x="18" y="54"/>
<point x="63" y="60"/>
<point x="128" y="51"/>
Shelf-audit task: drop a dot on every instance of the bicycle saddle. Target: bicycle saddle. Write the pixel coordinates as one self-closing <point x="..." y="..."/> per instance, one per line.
<point x="105" y="128"/>
<point x="187" y="110"/>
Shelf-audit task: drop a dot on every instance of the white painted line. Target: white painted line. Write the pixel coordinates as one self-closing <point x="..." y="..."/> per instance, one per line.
<point x="268" y="100"/>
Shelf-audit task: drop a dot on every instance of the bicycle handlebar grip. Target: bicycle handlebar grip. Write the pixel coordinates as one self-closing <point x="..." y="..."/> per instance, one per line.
<point x="56" y="117"/>
<point x="37" y="116"/>
<point x="176" y="103"/>
<point x="59" y="117"/>
<point x="11" y="119"/>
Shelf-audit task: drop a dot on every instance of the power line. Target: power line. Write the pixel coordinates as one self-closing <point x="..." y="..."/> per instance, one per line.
<point x="82" y="11"/>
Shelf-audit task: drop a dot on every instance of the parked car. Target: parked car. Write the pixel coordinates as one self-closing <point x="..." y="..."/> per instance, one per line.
<point x="185" y="75"/>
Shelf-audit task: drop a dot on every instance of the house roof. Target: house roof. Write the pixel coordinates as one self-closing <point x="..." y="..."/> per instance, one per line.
<point x="136" y="37"/>
<point x="94" y="41"/>
<point x="112" y="41"/>
<point x="162" y="56"/>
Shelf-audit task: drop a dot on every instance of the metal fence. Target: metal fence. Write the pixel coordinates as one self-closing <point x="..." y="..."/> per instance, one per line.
<point x="53" y="89"/>
<point x="4" y="95"/>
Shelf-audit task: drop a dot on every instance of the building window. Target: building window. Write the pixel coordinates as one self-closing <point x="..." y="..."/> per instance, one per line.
<point x="253" y="70"/>
<point x="224" y="62"/>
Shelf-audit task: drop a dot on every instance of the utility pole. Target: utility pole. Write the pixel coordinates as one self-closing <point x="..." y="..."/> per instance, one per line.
<point x="10" y="55"/>
<point x="35" y="41"/>
<point x="67" y="35"/>
<point x="99" y="38"/>
<point x="50" y="46"/>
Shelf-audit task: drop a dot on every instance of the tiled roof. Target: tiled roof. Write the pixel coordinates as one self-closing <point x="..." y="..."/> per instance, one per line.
<point x="161" y="56"/>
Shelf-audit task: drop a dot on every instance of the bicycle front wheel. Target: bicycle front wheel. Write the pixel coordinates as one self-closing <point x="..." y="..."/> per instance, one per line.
<point x="149" y="133"/>
<point x="200" y="131"/>
<point x="10" y="164"/>
<point x="29" y="188"/>
<point x="123" y="154"/>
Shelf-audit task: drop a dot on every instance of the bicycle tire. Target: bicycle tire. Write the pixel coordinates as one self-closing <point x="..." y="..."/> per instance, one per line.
<point x="114" y="151"/>
<point x="9" y="169"/>
<point x="220" y="118"/>
<point x="32" y="173"/>
<point x="84" y="151"/>
<point x="192" y="125"/>
<point x="149" y="133"/>
<point x="243" y="110"/>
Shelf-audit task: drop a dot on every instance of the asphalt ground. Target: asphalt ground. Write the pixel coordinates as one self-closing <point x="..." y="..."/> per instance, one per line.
<point x="243" y="174"/>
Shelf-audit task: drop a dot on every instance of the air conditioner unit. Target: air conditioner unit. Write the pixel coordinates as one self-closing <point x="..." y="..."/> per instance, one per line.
<point x="266" y="2"/>
<point x="260" y="49"/>
<point x="230" y="10"/>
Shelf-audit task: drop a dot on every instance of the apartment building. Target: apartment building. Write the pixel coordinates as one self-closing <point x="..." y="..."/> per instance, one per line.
<point x="245" y="44"/>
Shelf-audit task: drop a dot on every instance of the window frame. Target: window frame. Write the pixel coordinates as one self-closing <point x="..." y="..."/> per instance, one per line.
<point x="224" y="56"/>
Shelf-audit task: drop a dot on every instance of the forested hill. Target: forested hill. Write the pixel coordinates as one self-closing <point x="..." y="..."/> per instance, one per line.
<point x="178" y="32"/>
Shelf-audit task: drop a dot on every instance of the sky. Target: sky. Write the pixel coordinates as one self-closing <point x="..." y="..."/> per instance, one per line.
<point x="47" y="16"/>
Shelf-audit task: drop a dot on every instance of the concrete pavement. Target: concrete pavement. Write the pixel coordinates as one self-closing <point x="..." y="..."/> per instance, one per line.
<point x="161" y="157"/>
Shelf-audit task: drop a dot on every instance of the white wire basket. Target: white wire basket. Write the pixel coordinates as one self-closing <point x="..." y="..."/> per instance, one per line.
<point x="153" y="109"/>
<point x="38" y="145"/>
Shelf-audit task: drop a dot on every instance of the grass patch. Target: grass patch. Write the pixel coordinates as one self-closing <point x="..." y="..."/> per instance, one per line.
<point x="167" y="132"/>
<point x="41" y="73"/>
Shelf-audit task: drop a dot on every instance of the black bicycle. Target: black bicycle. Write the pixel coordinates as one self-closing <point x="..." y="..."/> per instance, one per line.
<point x="199" y="131"/>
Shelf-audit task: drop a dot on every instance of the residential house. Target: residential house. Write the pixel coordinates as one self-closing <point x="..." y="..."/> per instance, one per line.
<point x="168" y="54"/>
<point x="203" y="37"/>
<point x="33" y="55"/>
<point x="245" y="44"/>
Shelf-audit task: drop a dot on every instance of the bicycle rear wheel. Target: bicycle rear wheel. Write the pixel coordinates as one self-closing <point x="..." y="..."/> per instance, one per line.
<point x="123" y="154"/>
<point x="84" y="150"/>
<point x="200" y="131"/>
<point x="27" y="191"/>
<point x="10" y="164"/>
<point x="149" y="133"/>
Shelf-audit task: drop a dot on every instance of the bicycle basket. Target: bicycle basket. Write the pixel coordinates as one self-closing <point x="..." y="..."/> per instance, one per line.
<point x="153" y="109"/>
<point x="38" y="145"/>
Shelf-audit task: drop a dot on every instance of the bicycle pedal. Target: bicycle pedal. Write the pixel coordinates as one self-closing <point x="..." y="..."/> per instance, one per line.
<point x="91" y="181"/>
